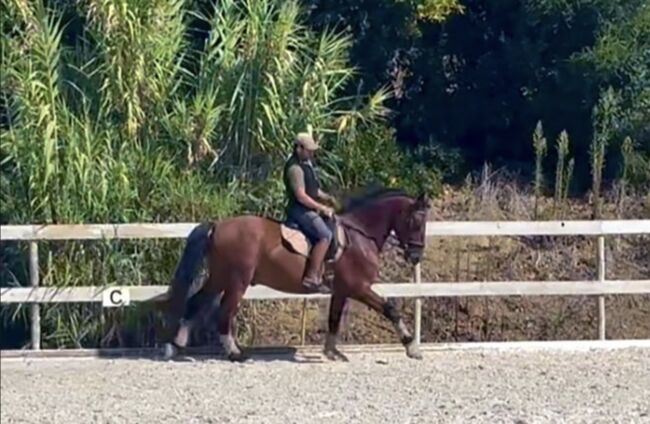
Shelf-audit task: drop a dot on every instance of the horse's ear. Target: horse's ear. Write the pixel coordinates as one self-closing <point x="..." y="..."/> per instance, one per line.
<point x="423" y="201"/>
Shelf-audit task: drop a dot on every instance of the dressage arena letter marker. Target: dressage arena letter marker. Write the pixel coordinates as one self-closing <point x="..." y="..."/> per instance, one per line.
<point x="114" y="297"/>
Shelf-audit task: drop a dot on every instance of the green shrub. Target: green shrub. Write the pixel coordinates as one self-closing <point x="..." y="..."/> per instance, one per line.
<point x="374" y="158"/>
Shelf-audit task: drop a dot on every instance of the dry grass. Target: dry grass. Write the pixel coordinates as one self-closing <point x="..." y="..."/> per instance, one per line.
<point x="494" y="197"/>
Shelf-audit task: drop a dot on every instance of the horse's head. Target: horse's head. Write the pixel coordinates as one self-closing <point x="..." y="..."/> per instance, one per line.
<point x="383" y="211"/>
<point x="410" y="227"/>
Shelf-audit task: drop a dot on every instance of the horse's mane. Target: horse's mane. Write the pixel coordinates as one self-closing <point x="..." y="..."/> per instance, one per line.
<point x="370" y="195"/>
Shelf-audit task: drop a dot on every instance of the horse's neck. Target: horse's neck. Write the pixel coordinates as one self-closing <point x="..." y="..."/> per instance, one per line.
<point x="373" y="221"/>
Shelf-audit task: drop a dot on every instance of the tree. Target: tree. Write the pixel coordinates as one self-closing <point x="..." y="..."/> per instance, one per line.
<point x="482" y="78"/>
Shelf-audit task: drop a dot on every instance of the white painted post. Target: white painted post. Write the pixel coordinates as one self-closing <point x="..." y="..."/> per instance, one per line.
<point x="601" y="279"/>
<point x="417" y="279"/>
<point x="35" y="310"/>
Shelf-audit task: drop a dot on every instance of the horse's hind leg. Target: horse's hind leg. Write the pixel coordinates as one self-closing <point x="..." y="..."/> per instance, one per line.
<point x="199" y="307"/>
<point x="227" y="311"/>
<point x="387" y="309"/>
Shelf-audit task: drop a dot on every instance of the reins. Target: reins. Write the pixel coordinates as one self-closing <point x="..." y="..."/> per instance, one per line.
<point x="350" y="226"/>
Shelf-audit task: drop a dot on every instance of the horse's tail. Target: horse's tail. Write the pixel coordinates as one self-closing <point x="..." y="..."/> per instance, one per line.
<point x="183" y="284"/>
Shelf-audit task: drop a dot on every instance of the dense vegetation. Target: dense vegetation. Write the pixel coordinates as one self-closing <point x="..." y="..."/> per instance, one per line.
<point x="478" y="83"/>
<point x="172" y="110"/>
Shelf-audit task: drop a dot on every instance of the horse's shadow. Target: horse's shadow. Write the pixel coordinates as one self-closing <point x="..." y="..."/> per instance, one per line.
<point x="208" y="354"/>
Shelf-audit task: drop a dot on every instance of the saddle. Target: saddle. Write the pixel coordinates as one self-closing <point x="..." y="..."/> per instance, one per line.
<point x="296" y="241"/>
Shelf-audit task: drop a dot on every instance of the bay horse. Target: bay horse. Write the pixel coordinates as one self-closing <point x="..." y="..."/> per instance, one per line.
<point x="247" y="250"/>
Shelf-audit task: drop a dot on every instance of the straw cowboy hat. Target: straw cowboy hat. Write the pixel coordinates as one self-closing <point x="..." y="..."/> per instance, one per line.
<point x="306" y="141"/>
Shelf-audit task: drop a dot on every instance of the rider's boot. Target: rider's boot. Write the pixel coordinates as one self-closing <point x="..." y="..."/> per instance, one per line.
<point x="313" y="275"/>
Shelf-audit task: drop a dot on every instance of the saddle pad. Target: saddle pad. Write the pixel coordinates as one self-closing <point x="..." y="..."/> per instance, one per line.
<point x="300" y="243"/>
<point x="296" y="239"/>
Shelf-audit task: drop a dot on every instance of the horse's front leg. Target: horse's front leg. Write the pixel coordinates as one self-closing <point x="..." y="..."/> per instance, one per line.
<point x="337" y="304"/>
<point x="387" y="309"/>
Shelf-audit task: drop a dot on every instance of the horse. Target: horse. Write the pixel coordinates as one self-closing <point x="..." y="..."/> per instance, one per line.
<point x="246" y="250"/>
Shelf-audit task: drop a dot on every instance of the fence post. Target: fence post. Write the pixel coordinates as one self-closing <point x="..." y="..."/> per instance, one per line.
<point x="417" y="279"/>
<point x="35" y="308"/>
<point x="601" y="279"/>
<point x="303" y="322"/>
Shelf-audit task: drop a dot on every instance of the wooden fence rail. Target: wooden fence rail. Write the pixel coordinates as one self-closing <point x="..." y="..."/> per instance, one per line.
<point x="35" y="295"/>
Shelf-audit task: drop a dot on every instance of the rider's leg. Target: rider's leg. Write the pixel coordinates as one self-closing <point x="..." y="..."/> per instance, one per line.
<point x="320" y="234"/>
<point x="313" y="273"/>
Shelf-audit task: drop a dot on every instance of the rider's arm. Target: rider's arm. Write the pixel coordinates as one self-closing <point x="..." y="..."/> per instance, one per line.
<point x="323" y="195"/>
<point x="297" y="182"/>
<point x="327" y="197"/>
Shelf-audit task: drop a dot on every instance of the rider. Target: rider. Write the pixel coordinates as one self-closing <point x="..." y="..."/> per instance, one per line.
<point x="304" y="208"/>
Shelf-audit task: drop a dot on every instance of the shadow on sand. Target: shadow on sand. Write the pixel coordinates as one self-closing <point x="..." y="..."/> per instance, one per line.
<point x="212" y="354"/>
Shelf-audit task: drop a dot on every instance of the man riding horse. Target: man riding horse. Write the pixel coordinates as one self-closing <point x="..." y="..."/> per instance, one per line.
<point x="304" y="209"/>
<point x="246" y="250"/>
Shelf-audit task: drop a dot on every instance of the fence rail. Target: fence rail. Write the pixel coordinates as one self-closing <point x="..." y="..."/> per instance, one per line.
<point x="438" y="289"/>
<point x="434" y="229"/>
<point x="35" y="295"/>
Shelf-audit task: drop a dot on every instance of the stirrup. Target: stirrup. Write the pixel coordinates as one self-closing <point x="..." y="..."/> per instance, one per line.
<point x="315" y="287"/>
<point x="328" y="276"/>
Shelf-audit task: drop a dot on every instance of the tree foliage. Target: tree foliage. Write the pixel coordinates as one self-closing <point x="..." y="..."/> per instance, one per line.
<point x="482" y="79"/>
<point x="183" y="110"/>
<point x="142" y="111"/>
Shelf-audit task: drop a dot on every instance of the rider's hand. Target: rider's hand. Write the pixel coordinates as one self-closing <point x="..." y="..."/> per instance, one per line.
<point x="327" y="211"/>
<point x="331" y="200"/>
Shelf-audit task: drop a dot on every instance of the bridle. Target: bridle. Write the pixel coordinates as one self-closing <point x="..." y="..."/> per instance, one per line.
<point x="408" y="246"/>
<point x="412" y="243"/>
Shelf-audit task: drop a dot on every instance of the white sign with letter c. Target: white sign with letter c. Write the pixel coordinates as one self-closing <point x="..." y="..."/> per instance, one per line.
<point x="114" y="297"/>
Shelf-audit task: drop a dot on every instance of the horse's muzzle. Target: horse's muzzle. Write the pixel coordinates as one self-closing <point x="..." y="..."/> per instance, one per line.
<point x="414" y="256"/>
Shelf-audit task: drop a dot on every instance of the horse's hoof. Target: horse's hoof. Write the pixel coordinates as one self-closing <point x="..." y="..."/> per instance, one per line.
<point x="170" y="352"/>
<point x="238" y="357"/>
<point x="335" y="355"/>
<point x="413" y="351"/>
<point x="415" y="355"/>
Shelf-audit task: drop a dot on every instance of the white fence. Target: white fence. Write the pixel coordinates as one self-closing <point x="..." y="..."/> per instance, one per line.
<point x="600" y="287"/>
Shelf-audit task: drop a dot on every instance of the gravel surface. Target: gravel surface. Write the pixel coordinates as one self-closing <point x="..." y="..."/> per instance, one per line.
<point x="447" y="386"/>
